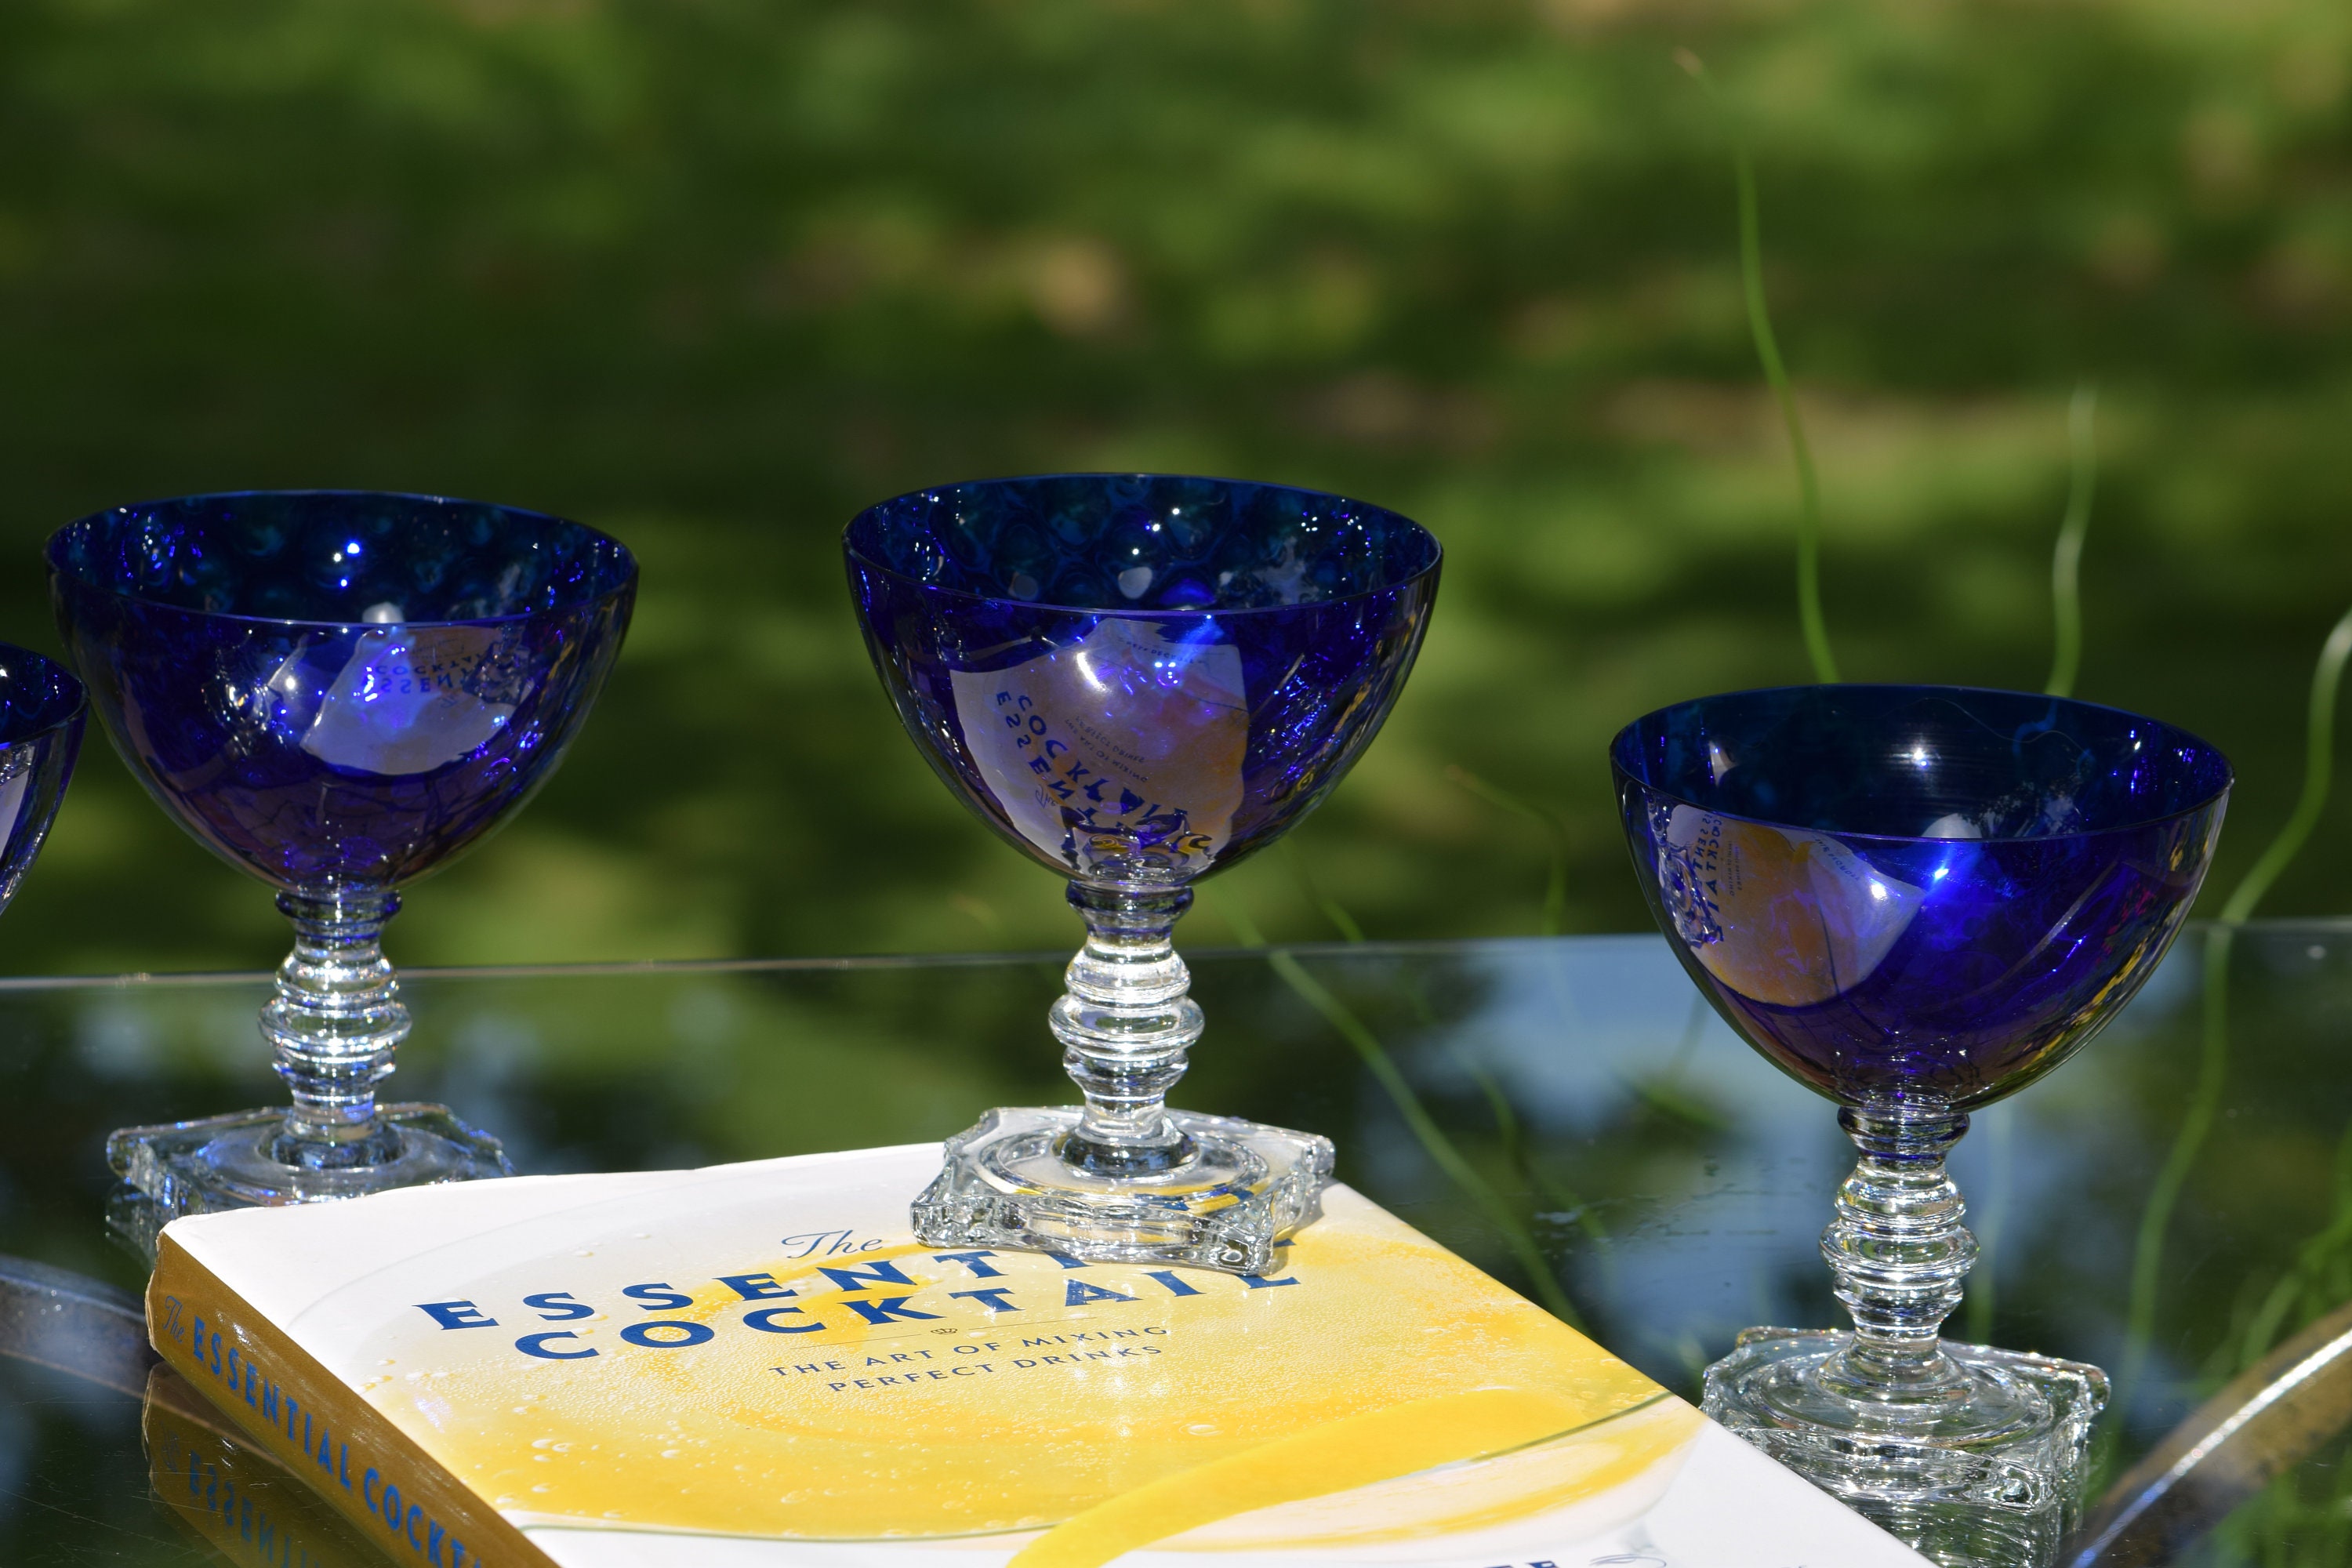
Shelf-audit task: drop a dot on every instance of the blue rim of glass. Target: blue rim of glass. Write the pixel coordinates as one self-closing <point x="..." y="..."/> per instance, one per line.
<point x="1619" y="744"/>
<point x="1436" y="548"/>
<point x="71" y="700"/>
<point x="627" y="579"/>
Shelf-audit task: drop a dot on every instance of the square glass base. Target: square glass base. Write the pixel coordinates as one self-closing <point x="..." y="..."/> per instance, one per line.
<point x="224" y="1162"/>
<point x="1966" y="1491"/>
<point x="1005" y="1184"/>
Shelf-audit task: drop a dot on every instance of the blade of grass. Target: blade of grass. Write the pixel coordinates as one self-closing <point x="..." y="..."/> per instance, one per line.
<point x="1999" y="1126"/>
<point x="982" y="913"/>
<point x="1555" y="915"/>
<point x="1669" y="1100"/>
<point x="1425" y="1131"/>
<point x="1664" y="1092"/>
<point x="1515" y="1151"/>
<point x="1341" y="921"/>
<point x="2319" y="772"/>
<point x="1410" y="979"/>
<point x="2067" y="561"/>
<point x="2311" y="1260"/>
<point x="1768" y="350"/>
<point x="2214" y="1062"/>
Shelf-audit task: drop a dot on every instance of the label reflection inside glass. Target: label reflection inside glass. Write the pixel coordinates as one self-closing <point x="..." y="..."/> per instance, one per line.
<point x="1120" y="754"/>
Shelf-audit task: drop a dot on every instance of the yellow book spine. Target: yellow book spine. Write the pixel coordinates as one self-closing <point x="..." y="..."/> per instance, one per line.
<point x="315" y="1425"/>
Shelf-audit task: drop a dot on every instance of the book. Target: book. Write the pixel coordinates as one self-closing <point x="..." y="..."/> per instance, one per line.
<point x="758" y="1366"/>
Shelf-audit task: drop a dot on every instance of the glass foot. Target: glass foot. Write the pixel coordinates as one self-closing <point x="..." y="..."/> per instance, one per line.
<point x="1983" y="1466"/>
<point x="225" y="1163"/>
<point x="1005" y="1184"/>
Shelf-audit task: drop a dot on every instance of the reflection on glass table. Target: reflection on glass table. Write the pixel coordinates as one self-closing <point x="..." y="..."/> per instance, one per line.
<point x="1671" y="1181"/>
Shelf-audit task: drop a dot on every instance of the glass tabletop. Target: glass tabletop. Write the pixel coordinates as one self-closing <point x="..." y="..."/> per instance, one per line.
<point x="1562" y="1111"/>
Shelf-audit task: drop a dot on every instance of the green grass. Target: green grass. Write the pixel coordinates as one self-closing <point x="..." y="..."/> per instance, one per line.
<point x="713" y="275"/>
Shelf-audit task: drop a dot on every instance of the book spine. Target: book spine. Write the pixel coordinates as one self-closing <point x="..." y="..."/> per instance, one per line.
<point x="319" y="1429"/>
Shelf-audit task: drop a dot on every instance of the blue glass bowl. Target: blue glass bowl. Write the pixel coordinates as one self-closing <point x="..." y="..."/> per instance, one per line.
<point x="336" y="692"/>
<point x="1917" y="893"/>
<point x="41" y="712"/>
<point x="1136" y="679"/>
<point x="333" y="688"/>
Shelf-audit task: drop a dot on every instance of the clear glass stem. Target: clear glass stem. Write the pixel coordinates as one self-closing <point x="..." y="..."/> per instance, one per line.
<point x="1899" y="1253"/>
<point x="334" y="1024"/>
<point x="1125" y="1023"/>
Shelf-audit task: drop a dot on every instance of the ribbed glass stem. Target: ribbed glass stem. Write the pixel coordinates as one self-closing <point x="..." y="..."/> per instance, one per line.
<point x="1125" y="1024"/>
<point x="1899" y="1251"/>
<point x="334" y="1024"/>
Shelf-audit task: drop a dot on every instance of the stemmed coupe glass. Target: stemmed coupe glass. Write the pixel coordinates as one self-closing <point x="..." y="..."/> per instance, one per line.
<point x="1135" y="679"/>
<point x="335" y="692"/>
<point x="1916" y="900"/>
<point x="41" y="711"/>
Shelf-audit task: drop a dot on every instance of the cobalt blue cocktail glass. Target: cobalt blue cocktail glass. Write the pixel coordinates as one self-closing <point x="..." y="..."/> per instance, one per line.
<point x="41" y="712"/>
<point x="335" y="692"/>
<point x="1916" y="900"/>
<point x="1136" y="680"/>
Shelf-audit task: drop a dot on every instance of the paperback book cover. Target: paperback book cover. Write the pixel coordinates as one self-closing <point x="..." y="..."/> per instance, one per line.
<point x="758" y="1366"/>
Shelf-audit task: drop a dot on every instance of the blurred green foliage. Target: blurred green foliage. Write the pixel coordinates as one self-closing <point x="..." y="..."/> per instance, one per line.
<point x="713" y="273"/>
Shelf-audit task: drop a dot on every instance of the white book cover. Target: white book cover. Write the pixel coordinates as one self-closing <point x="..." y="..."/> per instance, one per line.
<point x="758" y="1366"/>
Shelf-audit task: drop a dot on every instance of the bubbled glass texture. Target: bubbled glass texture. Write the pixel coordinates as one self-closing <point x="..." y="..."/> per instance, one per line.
<point x="41" y="714"/>
<point x="1904" y="893"/>
<point x="1139" y="679"/>
<point x="336" y="690"/>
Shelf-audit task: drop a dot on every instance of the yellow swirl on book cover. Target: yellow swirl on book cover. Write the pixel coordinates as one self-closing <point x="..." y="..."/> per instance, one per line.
<point x="758" y="1365"/>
